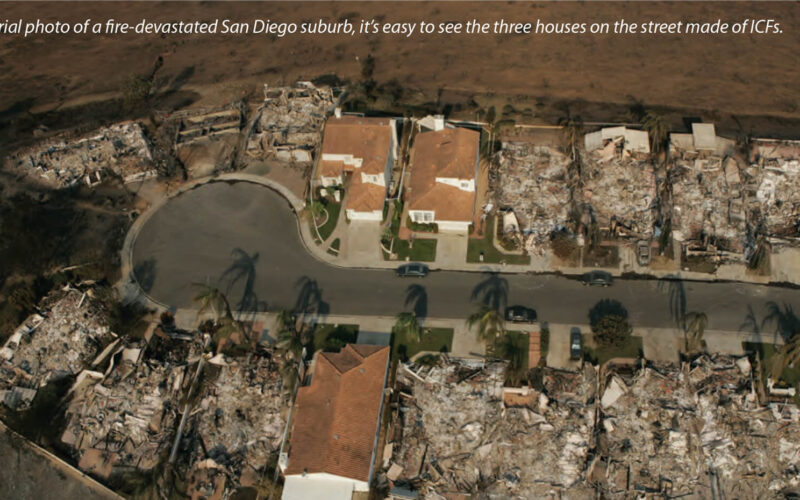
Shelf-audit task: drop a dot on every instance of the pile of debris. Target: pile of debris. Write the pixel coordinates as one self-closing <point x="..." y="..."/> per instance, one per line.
<point x="52" y="345"/>
<point x="708" y="200"/>
<point x="122" y="149"/>
<point x="695" y="430"/>
<point x="289" y="126"/>
<point x="456" y="433"/>
<point x="533" y="182"/>
<point x="239" y="426"/>
<point x="774" y="178"/>
<point x="621" y="193"/>
<point x="195" y="126"/>
<point x="708" y="203"/>
<point x="126" y="416"/>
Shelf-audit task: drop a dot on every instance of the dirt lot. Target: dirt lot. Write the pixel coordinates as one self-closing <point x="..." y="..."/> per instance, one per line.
<point x="737" y="74"/>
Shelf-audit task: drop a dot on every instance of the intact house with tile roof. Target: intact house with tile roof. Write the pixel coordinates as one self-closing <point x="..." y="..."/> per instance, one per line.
<point x="443" y="177"/>
<point x="360" y="153"/>
<point x="336" y="424"/>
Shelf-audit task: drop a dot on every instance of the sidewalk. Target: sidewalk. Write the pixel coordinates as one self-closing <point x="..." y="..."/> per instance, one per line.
<point x="658" y="344"/>
<point x="452" y="257"/>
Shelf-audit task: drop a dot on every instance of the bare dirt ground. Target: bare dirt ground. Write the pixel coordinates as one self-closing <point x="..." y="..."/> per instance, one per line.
<point x="733" y="74"/>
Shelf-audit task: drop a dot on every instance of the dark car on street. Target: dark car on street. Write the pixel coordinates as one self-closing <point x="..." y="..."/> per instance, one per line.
<point x="412" y="270"/>
<point x="575" y="343"/>
<point x="597" y="278"/>
<point x="520" y="314"/>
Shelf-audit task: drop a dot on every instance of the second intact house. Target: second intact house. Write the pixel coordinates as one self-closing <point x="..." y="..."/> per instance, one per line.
<point x="444" y="176"/>
<point x="336" y="423"/>
<point x="359" y="152"/>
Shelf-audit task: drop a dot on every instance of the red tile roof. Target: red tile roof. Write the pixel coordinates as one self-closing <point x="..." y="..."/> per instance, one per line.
<point x="337" y="416"/>
<point x="369" y="139"/>
<point x="449" y="153"/>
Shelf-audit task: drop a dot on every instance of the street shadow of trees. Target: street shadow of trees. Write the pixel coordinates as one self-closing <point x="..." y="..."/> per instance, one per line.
<point x="786" y="322"/>
<point x="606" y="307"/>
<point x="310" y="305"/>
<point x="673" y="285"/>
<point x="145" y="274"/>
<point x="243" y="272"/>
<point x="417" y="297"/>
<point x="492" y="291"/>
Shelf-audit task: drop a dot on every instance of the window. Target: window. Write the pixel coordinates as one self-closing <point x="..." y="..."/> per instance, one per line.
<point x="464" y="184"/>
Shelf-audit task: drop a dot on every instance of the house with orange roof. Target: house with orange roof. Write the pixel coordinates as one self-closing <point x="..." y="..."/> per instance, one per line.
<point x="443" y="177"/>
<point x="359" y="153"/>
<point x="336" y="423"/>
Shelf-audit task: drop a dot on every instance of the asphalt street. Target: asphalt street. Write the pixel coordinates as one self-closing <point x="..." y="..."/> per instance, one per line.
<point x="243" y="238"/>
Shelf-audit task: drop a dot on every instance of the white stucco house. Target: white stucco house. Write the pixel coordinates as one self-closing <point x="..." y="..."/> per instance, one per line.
<point x="443" y="178"/>
<point x="363" y="151"/>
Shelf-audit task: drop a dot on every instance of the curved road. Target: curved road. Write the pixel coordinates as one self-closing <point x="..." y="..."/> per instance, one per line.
<point x="243" y="237"/>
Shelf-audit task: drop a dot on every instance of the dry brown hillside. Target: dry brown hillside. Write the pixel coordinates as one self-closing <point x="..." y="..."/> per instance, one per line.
<point x="747" y="74"/>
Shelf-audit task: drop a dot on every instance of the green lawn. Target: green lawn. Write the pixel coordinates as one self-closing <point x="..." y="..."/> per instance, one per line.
<point x="491" y="255"/>
<point x="600" y="355"/>
<point x="424" y="250"/>
<point x="765" y="352"/>
<point x="433" y="339"/>
<point x="333" y="209"/>
<point x="333" y="337"/>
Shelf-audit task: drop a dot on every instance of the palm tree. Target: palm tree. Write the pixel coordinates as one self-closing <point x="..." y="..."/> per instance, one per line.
<point x="407" y="327"/>
<point x="694" y="326"/>
<point x="787" y="356"/>
<point x="290" y="375"/>
<point x="572" y="130"/>
<point x="513" y="348"/>
<point x="291" y="342"/>
<point x="212" y="299"/>
<point x="489" y="320"/>
<point x="657" y="129"/>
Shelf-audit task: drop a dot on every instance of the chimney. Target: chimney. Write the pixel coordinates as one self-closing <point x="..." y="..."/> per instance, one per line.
<point x="337" y="112"/>
<point x="438" y="122"/>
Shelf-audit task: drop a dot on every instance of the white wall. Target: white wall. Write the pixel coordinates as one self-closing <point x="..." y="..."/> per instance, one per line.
<point x="331" y="181"/>
<point x="453" y="226"/>
<point x="462" y="184"/>
<point x="419" y="216"/>
<point x="376" y="215"/>
<point x="347" y="159"/>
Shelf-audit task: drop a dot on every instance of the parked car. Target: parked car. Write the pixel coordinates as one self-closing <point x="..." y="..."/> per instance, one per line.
<point x="520" y="314"/>
<point x="575" y="343"/>
<point x="412" y="270"/>
<point x="597" y="278"/>
<point x="643" y="252"/>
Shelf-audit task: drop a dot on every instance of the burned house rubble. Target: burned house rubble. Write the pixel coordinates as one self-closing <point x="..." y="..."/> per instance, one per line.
<point x="52" y="345"/>
<point x="533" y="183"/>
<point x="238" y="427"/>
<point x="124" y="416"/>
<point x="708" y="200"/>
<point x="206" y="125"/>
<point x="774" y="177"/>
<point x="456" y="432"/>
<point x="289" y="124"/>
<point x="694" y="431"/>
<point x="619" y="182"/>
<point x="698" y="429"/>
<point x="122" y="149"/>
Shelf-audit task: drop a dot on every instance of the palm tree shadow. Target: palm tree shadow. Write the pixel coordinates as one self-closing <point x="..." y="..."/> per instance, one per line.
<point x="418" y="296"/>
<point x="492" y="291"/>
<point x="145" y="274"/>
<point x="309" y="304"/>
<point x="242" y="272"/>
<point x="786" y="322"/>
